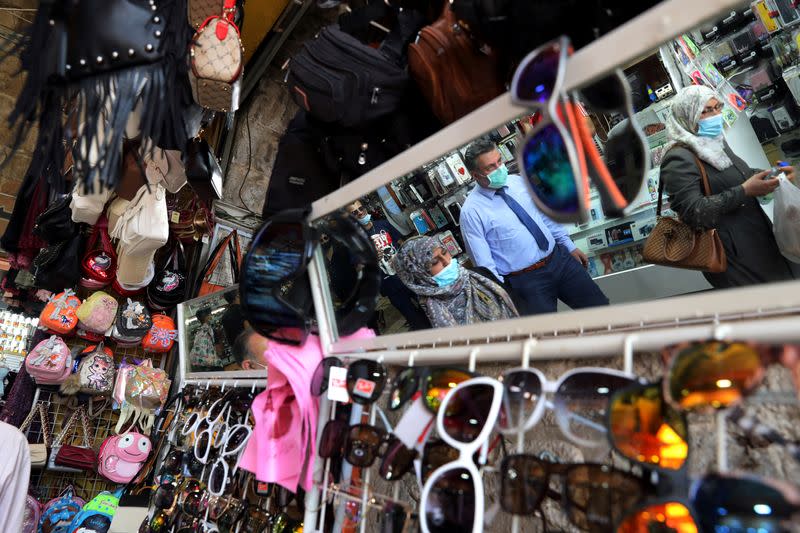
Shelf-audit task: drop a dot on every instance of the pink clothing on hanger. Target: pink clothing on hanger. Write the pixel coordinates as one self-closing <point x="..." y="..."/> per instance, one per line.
<point x="284" y="443"/>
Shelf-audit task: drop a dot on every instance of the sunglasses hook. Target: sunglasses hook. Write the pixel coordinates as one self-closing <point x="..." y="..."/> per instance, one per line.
<point x="627" y="347"/>
<point x="721" y="331"/>
<point x="223" y="387"/>
<point x="253" y="388"/>
<point x="208" y="385"/>
<point x="473" y="356"/>
<point x="527" y="349"/>
<point x="412" y="356"/>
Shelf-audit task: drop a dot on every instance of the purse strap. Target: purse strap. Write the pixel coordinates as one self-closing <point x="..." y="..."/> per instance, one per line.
<point x="232" y="242"/>
<point x="100" y="232"/>
<point x="703" y="177"/>
<point x="79" y="412"/>
<point x="42" y="411"/>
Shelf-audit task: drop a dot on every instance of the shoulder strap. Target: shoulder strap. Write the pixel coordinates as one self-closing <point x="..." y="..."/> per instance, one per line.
<point x="703" y="177"/>
<point x="231" y="241"/>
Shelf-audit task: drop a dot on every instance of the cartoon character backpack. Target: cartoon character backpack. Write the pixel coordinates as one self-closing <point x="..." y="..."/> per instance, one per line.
<point x="59" y="315"/>
<point x="96" y="516"/>
<point x="50" y="362"/>
<point x="161" y="336"/>
<point x="95" y="372"/>
<point x="97" y="313"/>
<point x="122" y="456"/>
<point x="59" y="512"/>
<point x="132" y="324"/>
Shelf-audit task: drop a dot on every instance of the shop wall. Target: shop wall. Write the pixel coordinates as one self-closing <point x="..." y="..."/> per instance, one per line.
<point x="11" y="25"/>
<point x="266" y="115"/>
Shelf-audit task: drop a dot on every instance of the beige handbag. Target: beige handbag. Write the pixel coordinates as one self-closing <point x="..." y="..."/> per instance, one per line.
<point x="217" y="60"/>
<point x="38" y="451"/>
<point x="198" y="11"/>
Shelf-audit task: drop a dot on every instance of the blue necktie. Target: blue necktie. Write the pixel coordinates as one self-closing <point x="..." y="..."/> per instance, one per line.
<point x="525" y="218"/>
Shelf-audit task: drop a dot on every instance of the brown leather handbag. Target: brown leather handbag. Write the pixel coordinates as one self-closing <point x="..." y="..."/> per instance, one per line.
<point x="455" y="74"/>
<point x="675" y="244"/>
<point x="204" y="280"/>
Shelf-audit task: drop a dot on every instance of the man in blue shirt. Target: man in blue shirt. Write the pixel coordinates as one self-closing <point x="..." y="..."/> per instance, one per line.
<point x="505" y="232"/>
<point x="387" y="240"/>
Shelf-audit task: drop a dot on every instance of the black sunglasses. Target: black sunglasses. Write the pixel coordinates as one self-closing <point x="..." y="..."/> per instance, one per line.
<point x="366" y="379"/>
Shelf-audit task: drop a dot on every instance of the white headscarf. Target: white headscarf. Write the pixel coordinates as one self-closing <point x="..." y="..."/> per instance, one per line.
<point x="682" y="125"/>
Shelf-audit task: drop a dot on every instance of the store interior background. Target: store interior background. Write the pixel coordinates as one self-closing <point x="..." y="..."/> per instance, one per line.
<point x="260" y="125"/>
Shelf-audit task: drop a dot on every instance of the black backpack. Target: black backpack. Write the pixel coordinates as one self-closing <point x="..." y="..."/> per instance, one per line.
<point x="338" y="79"/>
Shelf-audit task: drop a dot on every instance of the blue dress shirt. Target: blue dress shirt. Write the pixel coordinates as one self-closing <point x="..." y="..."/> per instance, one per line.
<point x="496" y="238"/>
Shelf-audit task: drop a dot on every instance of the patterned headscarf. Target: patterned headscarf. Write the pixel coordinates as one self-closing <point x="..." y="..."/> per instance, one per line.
<point x="682" y="125"/>
<point x="471" y="298"/>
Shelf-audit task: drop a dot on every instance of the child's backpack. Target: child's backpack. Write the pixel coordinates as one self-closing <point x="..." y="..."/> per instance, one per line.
<point x="97" y="313"/>
<point x="161" y="336"/>
<point x="122" y="456"/>
<point x="50" y="362"/>
<point x="96" y="516"/>
<point x="58" y="513"/>
<point x="132" y="324"/>
<point x="59" y="315"/>
<point x="95" y="374"/>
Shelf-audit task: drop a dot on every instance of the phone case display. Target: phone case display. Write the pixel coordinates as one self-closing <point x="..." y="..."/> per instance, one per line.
<point x="449" y="241"/>
<point x="15" y="329"/>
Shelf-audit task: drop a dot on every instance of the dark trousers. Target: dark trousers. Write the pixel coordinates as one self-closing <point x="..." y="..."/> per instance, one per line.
<point x="562" y="278"/>
<point x="405" y="301"/>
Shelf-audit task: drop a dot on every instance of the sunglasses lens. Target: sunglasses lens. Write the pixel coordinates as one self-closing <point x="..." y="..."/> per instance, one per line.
<point x="643" y="428"/>
<point x="713" y="374"/>
<point x="362" y="445"/>
<point x="194" y="504"/>
<point x="438" y="384"/>
<point x="626" y="158"/>
<point x="275" y="258"/>
<point x="159" y="523"/>
<point x="522" y="391"/>
<point x="164" y="496"/>
<point x="173" y="461"/>
<point x="537" y="77"/>
<point x="740" y="504"/>
<point x="319" y="381"/>
<point x="451" y="502"/>
<point x="436" y="454"/>
<point x="405" y="385"/>
<point x="674" y="517"/>
<point x="598" y="496"/>
<point x="333" y="438"/>
<point x="365" y="381"/>
<point x="523" y="483"/>
<point x="547" y="166"/>
<point x="581" y="402"/>
<point x="397" y="460"/>
<point x="467" y="412"/>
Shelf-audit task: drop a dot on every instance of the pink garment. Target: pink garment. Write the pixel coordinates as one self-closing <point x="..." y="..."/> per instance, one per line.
<point x="284" y="443"/>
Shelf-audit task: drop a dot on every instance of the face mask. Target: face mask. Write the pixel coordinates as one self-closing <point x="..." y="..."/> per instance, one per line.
<point x="710" y="127"/>
<point x="448" y="275"/>
<point x="365" y="219"/>
<point x="498" y="178"/>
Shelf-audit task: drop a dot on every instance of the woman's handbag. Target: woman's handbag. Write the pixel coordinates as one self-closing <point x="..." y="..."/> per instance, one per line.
<point x="59" y="265"/>
<point x="55" y="224"/>
<point x="100" y="260"/>
<point x="675" y="244"/>
<point x="69" y="458"/>
<point x="38" y="451"/>
<point x="204" y="280"/>
<point x="202" y="170"/>
<point x="168" y="287"/>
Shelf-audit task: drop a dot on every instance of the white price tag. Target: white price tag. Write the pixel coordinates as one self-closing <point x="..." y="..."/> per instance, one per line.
<point x="415" y="422"/>
<point x="337" y="384"/>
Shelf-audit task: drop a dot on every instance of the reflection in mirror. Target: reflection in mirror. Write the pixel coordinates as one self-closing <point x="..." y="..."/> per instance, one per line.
<point x="465" y="224"/>
<point x="216" y="337"/>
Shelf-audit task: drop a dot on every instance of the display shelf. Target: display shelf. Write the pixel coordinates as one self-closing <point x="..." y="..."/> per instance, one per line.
<point x="599" y="224"/>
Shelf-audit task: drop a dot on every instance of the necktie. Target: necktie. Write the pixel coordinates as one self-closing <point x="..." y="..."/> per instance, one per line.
<point x="525" y="218"/>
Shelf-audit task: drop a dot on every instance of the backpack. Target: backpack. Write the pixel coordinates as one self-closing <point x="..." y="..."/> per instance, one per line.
<point x="96" y="516"/>
<point x="33" y="513"/>
<point x="97" y="313"/>
<point x="161" y="336"/>
<point x="132" y="324"/>
<point x="59" y="315"/>
<point x="122" y="456"/>
<point x="50" y="362"/>
<point x="146" y="391"/>
<point x="58" y="513"/>
<point x="338" y="79"/>
<point x="96" y="370"/>
<point x="454" y="73"/>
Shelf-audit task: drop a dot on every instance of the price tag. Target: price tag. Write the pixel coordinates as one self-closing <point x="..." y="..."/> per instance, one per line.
<point x="415" y="422"/>
<point x="337" y="384"/>
<point x="205" y="239"/>
<point x="176" y="217"/>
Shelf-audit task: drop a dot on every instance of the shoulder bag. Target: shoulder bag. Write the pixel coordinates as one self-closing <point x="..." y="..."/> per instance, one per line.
<point x="204" y="280"/>
<point x="675" y="244"/>
<point x="69" y="458"/>
<point x="39" y="450"/>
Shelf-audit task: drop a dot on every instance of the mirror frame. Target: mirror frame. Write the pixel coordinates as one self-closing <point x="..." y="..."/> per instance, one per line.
<point x="624" y="45"/>
<point x="183" y="350"/>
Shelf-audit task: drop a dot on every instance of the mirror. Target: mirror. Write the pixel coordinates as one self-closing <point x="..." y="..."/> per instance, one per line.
<point x="214" y="337"/>
<point x="754" y="70"/>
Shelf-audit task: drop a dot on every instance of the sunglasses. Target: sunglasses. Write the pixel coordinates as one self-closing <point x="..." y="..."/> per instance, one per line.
<point x="593" y="497"/>
<point x="434" y="382"/>
<point x="366" y="379"/>
<point x="579" y="399"/>
<point x="274" y="291"/>
<point x="359" y="444"/>
<point x="453" y="497"/>
<point x="720" y="502"/>
<point x="553" y="155"/>
<point x="716" y="374"/>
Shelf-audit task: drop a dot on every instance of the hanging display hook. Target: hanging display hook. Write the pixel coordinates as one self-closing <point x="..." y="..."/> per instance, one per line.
<point x="722" y="331"/>
<point x="527" y="349"/>
<point x="627" y="352"/>
<point x="412" y="356"/>
<point x="473" y="356"/>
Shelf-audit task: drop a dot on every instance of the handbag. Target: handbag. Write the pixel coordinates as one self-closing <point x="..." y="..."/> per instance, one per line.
<point x="55" y="224"/>
<point x="59" y="265"/>
<point x="205" y="286"/>
<point x="190" y="219"/>
<point x="217" y="59"/>
<point x="100" y="260"/>
<point x="70" y="458"/>
<point x="38" y="451"/>
<point x="454" y="73"/>
<point x="168" y="287"/>
<point x="202" y="170"/>
<point x="675" y="244"/>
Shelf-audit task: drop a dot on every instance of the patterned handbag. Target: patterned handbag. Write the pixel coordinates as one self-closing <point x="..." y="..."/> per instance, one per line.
<point x="200" y="10"/>
<point x="217" y="61"/>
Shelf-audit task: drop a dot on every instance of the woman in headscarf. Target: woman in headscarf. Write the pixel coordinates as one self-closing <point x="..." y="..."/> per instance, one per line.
<point x="450" y="294"/>
<point x="695" y="128"/>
